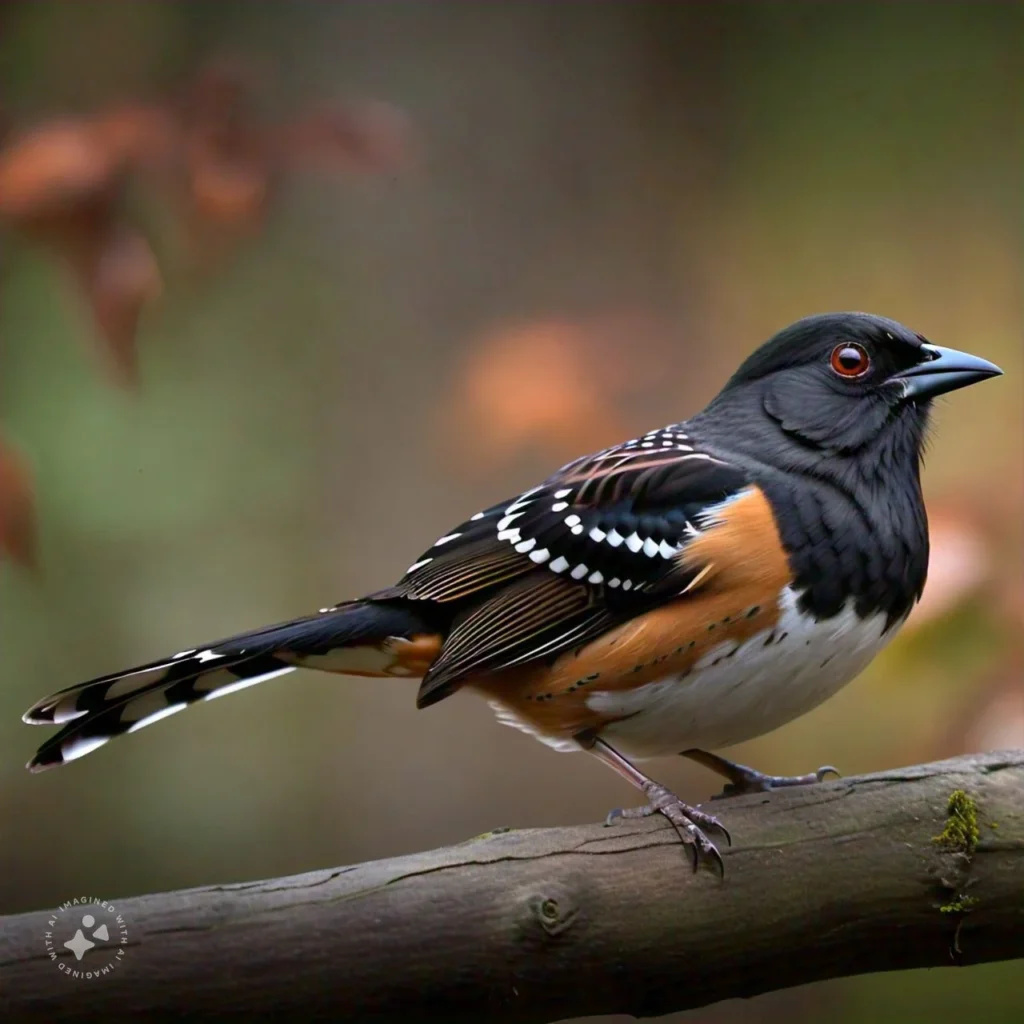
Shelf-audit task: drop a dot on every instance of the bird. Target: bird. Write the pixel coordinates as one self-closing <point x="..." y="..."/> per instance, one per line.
<point x="695" y="587"/>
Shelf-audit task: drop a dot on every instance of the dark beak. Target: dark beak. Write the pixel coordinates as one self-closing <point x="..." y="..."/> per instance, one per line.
<point x="942" y="370"/>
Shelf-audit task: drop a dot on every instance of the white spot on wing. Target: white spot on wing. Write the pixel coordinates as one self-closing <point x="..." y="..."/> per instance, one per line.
<point x="540" y="556"/>
<point x="614" y="538"/>
<point x="579" y="572"/>
<point x="523" y="500"/>
<point x="419" y="565"/>
<point x="526" y="545"/>
<point x="559" y="564"/>
<point x="634" y="543"/>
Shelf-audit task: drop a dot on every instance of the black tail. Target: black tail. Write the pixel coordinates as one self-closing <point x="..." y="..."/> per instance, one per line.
<point x="358" y="638"/>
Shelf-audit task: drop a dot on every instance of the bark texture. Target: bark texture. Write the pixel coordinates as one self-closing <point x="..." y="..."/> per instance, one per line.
<point x="539" y="925"/>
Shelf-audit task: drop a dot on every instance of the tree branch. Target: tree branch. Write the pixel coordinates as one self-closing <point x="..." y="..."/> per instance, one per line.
<point x="836" y="879"/>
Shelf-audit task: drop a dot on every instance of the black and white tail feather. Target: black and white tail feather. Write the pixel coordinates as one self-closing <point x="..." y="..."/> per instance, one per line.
<point x="348" y="637"/>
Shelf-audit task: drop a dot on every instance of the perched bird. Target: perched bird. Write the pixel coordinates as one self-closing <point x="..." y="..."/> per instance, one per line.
<point x="690" y="589"/>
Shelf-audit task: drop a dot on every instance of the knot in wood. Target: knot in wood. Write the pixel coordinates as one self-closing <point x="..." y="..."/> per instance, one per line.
<point x="554" y="910"/>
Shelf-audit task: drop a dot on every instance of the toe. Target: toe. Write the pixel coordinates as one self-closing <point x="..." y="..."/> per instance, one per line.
<point x="725" y="832"/>
<point x="713" y="859"/>
<point x="621" y="813"/>
<point x="707" y="821"/>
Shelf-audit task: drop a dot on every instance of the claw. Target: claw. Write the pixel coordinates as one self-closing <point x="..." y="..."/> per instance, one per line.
<point x="706" y="821"/>
<point x="689" y="823"/>
<point x="714" y="859"/>
<point x="726" y="834"/>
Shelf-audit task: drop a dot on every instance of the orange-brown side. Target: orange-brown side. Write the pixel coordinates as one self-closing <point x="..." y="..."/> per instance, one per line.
<point x="743" y="566"/>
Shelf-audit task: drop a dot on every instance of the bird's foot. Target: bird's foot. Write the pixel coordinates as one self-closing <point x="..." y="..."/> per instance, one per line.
<point x="748" y="780"/>
<point x="689" y="822"/>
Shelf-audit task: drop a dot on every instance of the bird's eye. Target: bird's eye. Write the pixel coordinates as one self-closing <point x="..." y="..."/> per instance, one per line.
<point x="850" y="360"/>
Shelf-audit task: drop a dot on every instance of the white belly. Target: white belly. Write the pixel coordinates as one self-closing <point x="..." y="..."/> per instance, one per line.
<point x="727" y="700"/>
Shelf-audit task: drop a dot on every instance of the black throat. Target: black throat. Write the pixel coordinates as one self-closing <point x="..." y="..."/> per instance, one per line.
<point x="853" y="524"/>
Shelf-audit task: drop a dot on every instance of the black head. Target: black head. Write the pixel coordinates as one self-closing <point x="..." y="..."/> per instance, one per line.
<point x="837" y="381"/>
<point x="829" y="417"/>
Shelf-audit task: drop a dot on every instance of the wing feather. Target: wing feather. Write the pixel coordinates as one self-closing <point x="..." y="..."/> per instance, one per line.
<point x="601" y="541"/>
<point x="516" y="624"/>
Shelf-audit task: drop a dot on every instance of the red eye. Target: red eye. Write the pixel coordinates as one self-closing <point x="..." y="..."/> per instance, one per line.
<point x="850" y="360"/>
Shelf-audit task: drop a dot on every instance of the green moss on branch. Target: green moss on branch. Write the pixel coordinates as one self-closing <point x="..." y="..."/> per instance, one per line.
<point x="961" y="832"/>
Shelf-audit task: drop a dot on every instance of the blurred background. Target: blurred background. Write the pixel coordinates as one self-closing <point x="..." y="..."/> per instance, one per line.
<point x="393" y="262"/>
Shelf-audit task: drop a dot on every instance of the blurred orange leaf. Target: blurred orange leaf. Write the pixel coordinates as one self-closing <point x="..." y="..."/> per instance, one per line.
<point x="226" y="160"/>
<point x="554" y="385"/>
<point x="120" y="278"/>
<point x="63" y="185"/>
<point x="529" y="385"/>
<point x="63" y="182"/>
<point x="235" y="160"/>
<point x="51" y="170"/>
<point x="17" y="509"/>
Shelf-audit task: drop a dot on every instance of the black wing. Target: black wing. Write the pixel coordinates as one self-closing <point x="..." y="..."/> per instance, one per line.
<point x="594" y="545"/>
